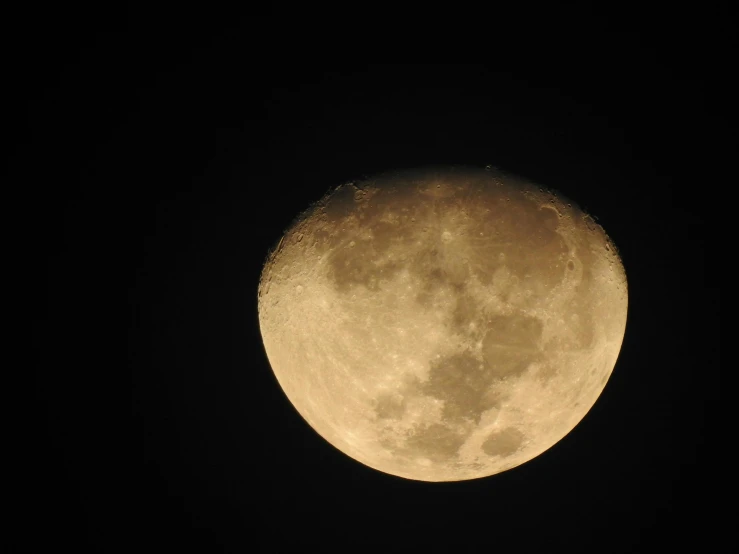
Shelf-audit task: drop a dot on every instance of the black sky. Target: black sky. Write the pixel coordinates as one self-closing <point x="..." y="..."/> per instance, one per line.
<point x="163" y="156"/>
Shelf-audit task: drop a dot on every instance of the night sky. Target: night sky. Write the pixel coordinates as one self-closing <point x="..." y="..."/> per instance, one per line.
<point x="164" y="156"/>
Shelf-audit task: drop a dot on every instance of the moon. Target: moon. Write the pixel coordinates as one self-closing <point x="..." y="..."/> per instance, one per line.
<point x="444" y="323"/>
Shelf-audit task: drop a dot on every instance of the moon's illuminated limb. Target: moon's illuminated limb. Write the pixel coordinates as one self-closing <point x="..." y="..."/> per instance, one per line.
<point x="443" y="324"/>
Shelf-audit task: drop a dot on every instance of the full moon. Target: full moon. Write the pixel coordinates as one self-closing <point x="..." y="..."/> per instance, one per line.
<point x="443" y="324"/>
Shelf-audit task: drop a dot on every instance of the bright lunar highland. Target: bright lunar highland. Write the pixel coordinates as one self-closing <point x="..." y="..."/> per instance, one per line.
<point x="443" y="324"/>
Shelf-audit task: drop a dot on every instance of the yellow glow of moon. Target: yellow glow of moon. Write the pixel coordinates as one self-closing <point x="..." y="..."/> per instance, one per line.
<point x="443" y="324"/>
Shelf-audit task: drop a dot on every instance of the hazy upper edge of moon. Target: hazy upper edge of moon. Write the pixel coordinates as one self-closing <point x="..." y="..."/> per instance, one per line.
<point x="444" y="323"/>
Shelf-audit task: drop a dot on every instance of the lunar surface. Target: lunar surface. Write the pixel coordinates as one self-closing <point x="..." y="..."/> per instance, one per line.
<point x="443" y="324"/>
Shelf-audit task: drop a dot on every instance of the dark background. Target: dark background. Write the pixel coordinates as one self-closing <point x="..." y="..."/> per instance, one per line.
<point x="162" y="155"/>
